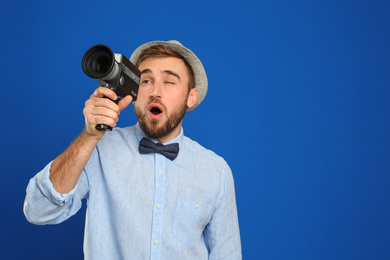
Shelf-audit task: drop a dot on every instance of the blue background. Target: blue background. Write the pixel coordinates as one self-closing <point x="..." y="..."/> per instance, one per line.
<point x="298" y="104"/>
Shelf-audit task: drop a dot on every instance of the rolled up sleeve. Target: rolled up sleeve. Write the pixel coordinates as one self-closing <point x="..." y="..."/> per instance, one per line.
<point x="44" y="205"/>
<point x="222" y="234"/>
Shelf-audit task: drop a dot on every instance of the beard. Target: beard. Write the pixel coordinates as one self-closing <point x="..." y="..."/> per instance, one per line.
<point x="151" y="126"/>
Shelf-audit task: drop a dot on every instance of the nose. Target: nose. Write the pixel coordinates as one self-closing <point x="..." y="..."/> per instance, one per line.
<point x="156" y="90"/>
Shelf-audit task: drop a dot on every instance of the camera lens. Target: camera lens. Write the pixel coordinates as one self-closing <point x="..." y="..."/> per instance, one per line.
<point x="102" y="65"/>
<point x="98" y="61"/>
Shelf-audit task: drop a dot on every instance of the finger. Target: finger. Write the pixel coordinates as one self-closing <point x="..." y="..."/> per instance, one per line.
<point x="98" y="115"/>
<point x="105" y="92"/>
<point x="92" y="121"/>
<point x="102" y="102"/>
<point x="93" y="110"/>
<point x="102" y="120"/>
<point x="103" y="111"/>
<point x="125" y="102"/>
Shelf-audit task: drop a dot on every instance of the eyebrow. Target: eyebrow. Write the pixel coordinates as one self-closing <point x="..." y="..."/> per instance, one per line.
<point x="146" y="71"/>
<point x="168" y="72"/>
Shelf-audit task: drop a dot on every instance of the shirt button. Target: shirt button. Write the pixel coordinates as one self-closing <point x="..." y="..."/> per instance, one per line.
<point x="197" y="206"/>
<point x="158" y="206"/>
<point x="160" y="171"/>
<point x="156" y="242"/>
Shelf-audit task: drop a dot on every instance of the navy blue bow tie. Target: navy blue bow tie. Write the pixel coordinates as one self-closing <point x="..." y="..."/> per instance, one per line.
<point x="170" y="150"/>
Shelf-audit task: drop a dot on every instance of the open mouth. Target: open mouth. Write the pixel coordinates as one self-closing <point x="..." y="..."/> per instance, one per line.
<point x="155" y="111"/>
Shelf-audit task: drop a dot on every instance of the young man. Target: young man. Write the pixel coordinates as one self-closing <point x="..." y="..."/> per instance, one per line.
<point x="152" y="192"/>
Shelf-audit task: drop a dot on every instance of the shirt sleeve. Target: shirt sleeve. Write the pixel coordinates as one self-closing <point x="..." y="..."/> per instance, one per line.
<point x="222" y="234"/>
<point x="44" y="205"/>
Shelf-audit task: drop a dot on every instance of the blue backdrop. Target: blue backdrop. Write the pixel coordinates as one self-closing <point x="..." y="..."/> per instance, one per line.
<point x="298" y="104"/>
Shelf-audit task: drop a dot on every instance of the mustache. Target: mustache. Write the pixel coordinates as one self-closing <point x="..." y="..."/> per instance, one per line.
<point x="156" y="101"/>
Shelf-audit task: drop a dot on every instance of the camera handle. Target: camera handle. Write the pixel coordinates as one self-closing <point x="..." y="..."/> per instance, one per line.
<point x="103" y="127"/>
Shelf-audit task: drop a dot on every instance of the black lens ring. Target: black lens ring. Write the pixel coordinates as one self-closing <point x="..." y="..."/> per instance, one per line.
<point x="90" y="57"/>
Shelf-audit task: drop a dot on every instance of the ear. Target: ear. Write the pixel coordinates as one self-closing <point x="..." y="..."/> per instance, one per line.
<point x="192" y="97"/>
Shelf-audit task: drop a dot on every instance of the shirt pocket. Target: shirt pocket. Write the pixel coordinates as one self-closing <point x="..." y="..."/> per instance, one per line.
<point x="190" y="220"/>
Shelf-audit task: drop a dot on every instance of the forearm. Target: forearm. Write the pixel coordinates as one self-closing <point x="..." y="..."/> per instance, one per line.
<point x="67" y="167"/>
<point x="44" y="205"/>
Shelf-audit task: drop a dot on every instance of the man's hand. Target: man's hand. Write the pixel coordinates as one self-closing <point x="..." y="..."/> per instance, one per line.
<point x="67" y="167"/>
<point x="101" y="110"/>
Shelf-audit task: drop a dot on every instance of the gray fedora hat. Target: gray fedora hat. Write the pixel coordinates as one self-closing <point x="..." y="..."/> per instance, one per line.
<point x="194" y="62"/>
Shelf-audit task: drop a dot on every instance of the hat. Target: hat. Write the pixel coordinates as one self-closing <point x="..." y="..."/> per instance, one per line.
<point x="194" y="62"/>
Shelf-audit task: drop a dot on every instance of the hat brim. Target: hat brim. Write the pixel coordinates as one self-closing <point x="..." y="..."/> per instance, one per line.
<point x="196" y="65"/>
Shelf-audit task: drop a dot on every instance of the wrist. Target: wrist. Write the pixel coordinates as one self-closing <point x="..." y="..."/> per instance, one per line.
<point x="92" y="134"/>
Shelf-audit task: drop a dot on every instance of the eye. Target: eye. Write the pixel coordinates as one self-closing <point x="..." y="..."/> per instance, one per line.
<point x="146" y="81"/>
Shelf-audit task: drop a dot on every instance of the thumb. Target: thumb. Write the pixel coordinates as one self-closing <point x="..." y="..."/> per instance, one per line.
<point x="125" y="102"/>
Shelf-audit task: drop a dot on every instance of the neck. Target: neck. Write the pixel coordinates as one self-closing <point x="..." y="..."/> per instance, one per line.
<point x="172" y="135"/>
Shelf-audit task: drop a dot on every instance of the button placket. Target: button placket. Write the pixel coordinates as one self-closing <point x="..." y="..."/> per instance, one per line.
<point x="157" y="224"/>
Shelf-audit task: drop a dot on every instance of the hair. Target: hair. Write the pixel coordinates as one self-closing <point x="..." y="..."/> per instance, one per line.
<point x="159" y="51"/>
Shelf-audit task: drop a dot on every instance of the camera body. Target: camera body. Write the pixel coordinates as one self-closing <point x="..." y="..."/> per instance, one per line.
<point x="113" y="70"/>
<point x="126" y="82"/>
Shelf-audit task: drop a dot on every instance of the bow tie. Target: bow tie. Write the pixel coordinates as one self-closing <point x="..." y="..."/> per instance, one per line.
<point x="170" y="150"/>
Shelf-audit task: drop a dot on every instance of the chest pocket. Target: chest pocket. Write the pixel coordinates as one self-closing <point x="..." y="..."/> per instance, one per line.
<point x="190" y="220"/>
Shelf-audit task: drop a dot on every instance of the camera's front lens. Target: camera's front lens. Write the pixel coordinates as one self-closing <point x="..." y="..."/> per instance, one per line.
<point x="98" y="61"/>
<point x="103" y="65"/>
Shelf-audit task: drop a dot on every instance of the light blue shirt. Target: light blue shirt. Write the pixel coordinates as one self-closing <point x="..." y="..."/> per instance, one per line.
<point x="145" y="206"/>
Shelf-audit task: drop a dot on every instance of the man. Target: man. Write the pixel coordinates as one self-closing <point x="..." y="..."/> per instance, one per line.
<point x="152" y="192"/>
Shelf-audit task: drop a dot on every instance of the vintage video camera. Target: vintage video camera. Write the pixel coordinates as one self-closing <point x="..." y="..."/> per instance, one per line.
<point x="113" y="70"/>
